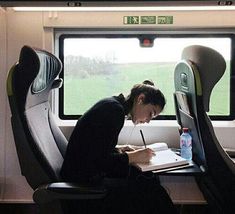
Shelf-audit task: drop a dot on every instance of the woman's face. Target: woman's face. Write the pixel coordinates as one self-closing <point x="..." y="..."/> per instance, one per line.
<point x="143" y="113"/>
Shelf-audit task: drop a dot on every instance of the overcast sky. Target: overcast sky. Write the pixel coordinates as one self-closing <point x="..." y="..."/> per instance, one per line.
<point x="129" y="51"/>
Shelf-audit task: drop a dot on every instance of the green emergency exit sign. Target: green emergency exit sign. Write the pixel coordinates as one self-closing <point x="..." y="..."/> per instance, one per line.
<point x="148" y="20"/>
<point x="143" y="20"/>
<point x="131" y="20"/>
<point x="162" y="20"/>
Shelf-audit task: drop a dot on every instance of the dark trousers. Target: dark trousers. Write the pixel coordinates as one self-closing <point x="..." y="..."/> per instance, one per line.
<point x="140" y="193"/>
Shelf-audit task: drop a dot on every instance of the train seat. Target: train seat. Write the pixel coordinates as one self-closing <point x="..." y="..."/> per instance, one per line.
<point x="39" y="142"/>
<point x="195" y="76"/>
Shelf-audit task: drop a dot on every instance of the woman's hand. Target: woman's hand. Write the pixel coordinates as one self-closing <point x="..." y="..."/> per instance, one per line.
<point x="127" y="148"/>
<point x="140" y="156"/>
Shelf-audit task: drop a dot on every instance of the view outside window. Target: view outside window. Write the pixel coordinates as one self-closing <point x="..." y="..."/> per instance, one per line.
<point x="95" y="68"/>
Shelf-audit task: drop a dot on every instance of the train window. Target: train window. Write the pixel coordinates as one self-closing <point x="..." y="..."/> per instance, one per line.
<point x="98" y="66"/>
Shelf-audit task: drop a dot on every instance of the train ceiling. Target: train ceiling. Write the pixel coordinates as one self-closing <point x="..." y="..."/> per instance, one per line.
<point x="113" y="3"/>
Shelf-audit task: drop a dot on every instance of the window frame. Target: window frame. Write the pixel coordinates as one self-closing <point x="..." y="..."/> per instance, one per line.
<point x="151" y="35"/>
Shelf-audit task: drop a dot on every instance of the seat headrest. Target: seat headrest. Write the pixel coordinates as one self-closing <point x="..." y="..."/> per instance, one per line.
<point x="211" y="67"/>
<point x="35" y="75"/>
<point x="46" y="67"/>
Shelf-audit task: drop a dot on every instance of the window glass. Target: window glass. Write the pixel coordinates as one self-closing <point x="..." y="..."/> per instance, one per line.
<point x="96" y="67"/>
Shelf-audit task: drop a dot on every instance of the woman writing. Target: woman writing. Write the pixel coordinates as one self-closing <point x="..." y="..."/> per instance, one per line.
<point x="93" y="158"/>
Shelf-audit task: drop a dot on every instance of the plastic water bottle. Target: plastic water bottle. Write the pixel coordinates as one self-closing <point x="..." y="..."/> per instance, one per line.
<point x="186" y="144"/>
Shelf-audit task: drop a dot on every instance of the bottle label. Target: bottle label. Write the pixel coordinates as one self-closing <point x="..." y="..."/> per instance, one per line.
<point x="186" y="146"/>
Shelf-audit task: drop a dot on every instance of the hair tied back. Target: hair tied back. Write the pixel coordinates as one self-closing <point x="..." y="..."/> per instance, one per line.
<point x="148" y="82"/>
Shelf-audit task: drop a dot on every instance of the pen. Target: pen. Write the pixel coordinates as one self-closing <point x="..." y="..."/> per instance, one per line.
<point x="143" y="138"/>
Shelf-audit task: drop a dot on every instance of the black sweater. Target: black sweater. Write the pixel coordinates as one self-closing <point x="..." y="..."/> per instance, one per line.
<point x="91" y="148"/>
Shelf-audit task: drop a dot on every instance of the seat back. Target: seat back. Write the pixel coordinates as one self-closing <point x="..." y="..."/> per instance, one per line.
<point x="186" y="76"/>
<point x="195" y="77"/>
<point x="39" y="142"/>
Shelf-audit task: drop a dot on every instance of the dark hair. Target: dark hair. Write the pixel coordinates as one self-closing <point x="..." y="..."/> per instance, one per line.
<point x="152" y="95"/>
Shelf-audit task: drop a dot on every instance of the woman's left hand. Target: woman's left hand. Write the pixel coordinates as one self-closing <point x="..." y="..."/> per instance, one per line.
<point x="127" y="148"/>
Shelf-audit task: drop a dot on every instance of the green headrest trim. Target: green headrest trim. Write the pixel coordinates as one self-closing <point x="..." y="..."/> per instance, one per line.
<point x="198" y="81"/>
<point x="9" y="81"/>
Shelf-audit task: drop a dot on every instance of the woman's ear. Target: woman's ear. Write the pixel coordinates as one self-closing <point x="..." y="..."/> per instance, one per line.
<point x="140" y="99"/>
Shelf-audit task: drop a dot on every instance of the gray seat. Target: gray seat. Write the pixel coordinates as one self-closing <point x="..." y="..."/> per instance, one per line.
<point x="39" y="142"/>
<point x="195" y="77"/>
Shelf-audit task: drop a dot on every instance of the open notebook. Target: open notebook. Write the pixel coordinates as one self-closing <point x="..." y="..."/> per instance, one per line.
<point x="165" y="159"/>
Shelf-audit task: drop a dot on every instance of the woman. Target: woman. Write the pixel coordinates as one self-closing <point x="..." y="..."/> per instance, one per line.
<point x="92" y="156"/>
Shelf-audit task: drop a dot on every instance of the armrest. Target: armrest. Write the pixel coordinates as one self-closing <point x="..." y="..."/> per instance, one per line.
<point x="67" y="191"/>
<point x="230" y="152"/>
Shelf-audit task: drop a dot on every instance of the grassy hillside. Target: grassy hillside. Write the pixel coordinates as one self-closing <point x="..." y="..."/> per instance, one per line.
<point x="81" y="92"/>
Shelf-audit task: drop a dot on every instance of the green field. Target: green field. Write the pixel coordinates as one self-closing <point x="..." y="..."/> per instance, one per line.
<point x="80" y="93"/>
